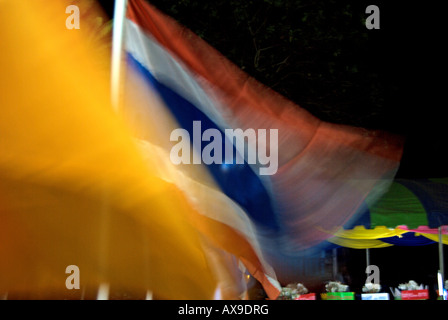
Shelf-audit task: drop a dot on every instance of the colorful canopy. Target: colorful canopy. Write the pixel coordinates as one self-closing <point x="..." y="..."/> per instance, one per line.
<point x="408" y="214"/>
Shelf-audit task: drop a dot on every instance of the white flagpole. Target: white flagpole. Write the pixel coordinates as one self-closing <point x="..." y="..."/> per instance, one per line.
<point x="103" y="292"/>
<point x="441" y="273"/>
<point x="117" y="51"/>
<point x="148" y="295"/>
<point x="367" y="257"/>
<point x="116" y="72"/>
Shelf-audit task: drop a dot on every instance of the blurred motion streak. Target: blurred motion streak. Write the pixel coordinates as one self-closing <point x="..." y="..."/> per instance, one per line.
<point x="74" y="187"/>
<point x="325" y="171"/>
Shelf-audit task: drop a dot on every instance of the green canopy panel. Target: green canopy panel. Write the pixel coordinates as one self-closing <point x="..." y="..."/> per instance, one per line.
<point x="413" y="203"/>
<point x="408" y="214"/>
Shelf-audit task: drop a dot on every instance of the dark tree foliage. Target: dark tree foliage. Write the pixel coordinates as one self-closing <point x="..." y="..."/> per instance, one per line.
<point x="319" y="54"/>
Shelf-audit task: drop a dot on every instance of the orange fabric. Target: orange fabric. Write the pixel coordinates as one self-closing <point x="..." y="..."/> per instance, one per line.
<point x="230" y="240"/>
<point x="74" y="188"/>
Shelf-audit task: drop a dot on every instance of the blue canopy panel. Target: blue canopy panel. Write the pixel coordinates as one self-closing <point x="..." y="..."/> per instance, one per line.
<point x="408" y="239"/>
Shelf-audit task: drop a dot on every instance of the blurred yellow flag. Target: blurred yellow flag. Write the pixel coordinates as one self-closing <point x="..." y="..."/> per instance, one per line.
<point x="74" y="188"/>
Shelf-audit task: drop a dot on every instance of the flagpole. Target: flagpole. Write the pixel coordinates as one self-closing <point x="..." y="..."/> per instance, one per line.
<point x="116" y="72"/>
<point x="367" y="257"/>
<point x="441" y="273"/>
<point x="117" y="51"/>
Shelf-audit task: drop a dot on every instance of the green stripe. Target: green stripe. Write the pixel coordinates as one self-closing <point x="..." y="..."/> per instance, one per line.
<point x="439" y="180"/>
<point x="399" y="206"/>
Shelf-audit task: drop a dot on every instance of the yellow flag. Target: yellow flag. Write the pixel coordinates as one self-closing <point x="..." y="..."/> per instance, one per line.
<point x="74" y="188"/>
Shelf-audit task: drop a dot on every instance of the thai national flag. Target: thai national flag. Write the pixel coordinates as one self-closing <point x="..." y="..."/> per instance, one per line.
<point x="300" y="176"/>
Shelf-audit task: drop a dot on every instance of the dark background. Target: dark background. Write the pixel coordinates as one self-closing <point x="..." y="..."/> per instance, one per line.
<point x="321" y="56"/>
<point x="397" y="264"/>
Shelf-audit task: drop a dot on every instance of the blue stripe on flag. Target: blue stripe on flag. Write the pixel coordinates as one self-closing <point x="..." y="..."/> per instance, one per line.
<point x="237" y="181"/>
